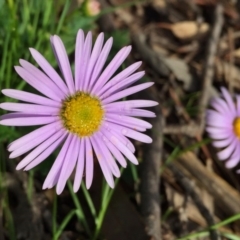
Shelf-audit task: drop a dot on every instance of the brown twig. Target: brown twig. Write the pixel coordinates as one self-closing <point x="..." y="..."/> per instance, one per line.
<point x="209" y="67"/>
<point x="106" y="22"/>
<point x="189" y="129"/>
<point x="188" y="188"/>
<point x="155" y="61"/>
<point x="27" y="220"/>
<point x="1" y="223"/>
<point x="150" y="207"/>
<point x="231" y="58"/>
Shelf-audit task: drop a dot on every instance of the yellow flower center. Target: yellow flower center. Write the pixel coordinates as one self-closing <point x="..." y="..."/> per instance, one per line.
<point x="236" y="126"/>
<point x="82" y="114"/>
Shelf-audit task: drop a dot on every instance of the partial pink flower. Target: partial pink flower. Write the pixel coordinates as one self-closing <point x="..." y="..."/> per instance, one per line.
<point x="83" y="113"/>
<point x="223" y="126"/>
<point x="93" y="7"/>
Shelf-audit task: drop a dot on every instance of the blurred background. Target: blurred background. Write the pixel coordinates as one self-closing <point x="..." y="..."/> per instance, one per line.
<point x="179" y="190"/>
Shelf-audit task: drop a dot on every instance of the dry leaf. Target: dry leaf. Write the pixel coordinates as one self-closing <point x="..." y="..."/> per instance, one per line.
<point x="228" y="72"/>
<point x="181" y="71"/>
<point x="188" y="29"/>
<point x="237" y="53"/>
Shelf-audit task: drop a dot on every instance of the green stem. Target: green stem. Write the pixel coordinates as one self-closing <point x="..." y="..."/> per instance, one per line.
<point x="107" y="195"/>
<point x="80" y="213"/>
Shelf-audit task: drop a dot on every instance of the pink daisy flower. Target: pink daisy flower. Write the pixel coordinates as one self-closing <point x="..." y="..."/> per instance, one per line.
<point x="81" y="113"/>
<point x="92" y="7"/>
<point x="223" y="125"/>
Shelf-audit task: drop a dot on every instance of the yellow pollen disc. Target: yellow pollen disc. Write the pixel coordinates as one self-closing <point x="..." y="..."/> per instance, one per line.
<point x="236" y="126"/>
<point x="82" y="114"/>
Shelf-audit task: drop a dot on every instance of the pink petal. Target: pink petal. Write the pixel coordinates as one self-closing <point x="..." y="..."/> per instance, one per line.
<point x="64" y="62"/>
<point x="56" y="168"/>
<point x="89" y="163"/>
<point x="80" y="165"/>
<point x="49" y="70"/>
<point x="30" y="97"/>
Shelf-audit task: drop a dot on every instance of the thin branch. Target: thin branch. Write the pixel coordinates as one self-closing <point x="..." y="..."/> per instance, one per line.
<point x="208" y="72"/>
<point x="188" y="188"/>
<point x="155" y="61"/>
<point x="150" y="200"/>
<point x="190" y="130"/>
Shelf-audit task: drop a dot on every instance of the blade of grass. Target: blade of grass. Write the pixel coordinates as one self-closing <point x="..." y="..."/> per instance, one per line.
<point x="63" y="15"/>
<point x="174" y="154"/>
<point x="106" y="197"/>
<point x="230" y="236"/>
<point x="4" y="55"/>
<point x="47" y="13"/>
<point x="64" y="224"/>
<point x="9" y="218"/>
<point x="36" y="21"/>
<point x="80" y="213"/>
<point x="134" y="172"/>
<point x="30" y="185"/>
<point x="54" y="216"/>
<point x="89" y="200"/>
<point x="215" y="226"/>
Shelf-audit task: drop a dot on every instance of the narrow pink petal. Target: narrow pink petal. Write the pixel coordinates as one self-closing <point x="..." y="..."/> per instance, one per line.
<point x="100" y="62"/>
<point x="235" y="158"/>
<point x="69" y="163"/>
<point x="119" y="77"/>
<point x="110" y="120"/>
<point x="78" y="57"/>
<point x="123" y="84"/>
<point x="134" y="122"/>
<point x="224" y="143"/>
<point x="229" y="100"/>
<point x="218" y="120"/>
<point x="32" y="135"/>
<point x="49" y="70"/>
<point x="18" y="115"/>
<point x="120" y="146"/>
<point x="80" y="164"/>
<point x="40" y="76"/>
<point x="54" y="180"/>
<point x="219" y="136"/>
<point x="94" y="57"/>
<point x="130" y="104"/>
<point x="111" y="68"/>
<point x="35" y="83"/>
<point x="30" y="108"/>
<point x="131" y="112"/>
<point x="212" y="115"/>
<point x="85" y="61"/>
<point x="105" y="169"/>
<point x="89" y="163"/>
<point x="116" y="130"/>
<point x="238" y="105"/>
<point x="127" y="92"/>
<point x="136" y="135"/>
<point x="107" y="156"/>
<point x="224" y="154"/>
<point x="233" y="162"/>
<point x="220" y="105"/>
<point x="30" y="145"/>
<point x="28" y="121"/>
<point x="56" y="168"/>
<point x="30" y="97"/>
<point x="219" y="130"/>
<point x="43" y="156"/>
<point x="39" y="149"/>
<point x="64" y="62"/>
<point x="115" y="152"/>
